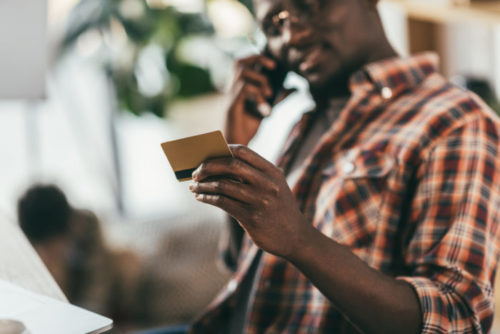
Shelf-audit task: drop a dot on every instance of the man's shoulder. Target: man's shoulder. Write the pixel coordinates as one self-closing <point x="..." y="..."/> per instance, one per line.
<point x="425" y="115"/>
<point x="438" y="107"/>
<point x="440" y="94"/>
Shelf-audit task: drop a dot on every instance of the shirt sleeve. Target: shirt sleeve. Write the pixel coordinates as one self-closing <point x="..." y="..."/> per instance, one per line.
<point x="453" y="249"/>
<point x="230" y="244"/>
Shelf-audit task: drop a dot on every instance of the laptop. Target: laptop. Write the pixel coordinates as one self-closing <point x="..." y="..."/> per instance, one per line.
<point x="43" y="315"/>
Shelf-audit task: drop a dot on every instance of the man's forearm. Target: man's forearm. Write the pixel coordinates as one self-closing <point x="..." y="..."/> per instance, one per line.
<point x="373" y="301"/>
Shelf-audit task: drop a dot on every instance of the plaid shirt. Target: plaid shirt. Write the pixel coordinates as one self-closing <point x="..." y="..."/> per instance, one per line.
<point x="409" y="179"/>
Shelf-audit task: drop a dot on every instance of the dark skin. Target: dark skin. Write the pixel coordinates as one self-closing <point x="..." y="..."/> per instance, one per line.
<point x="326" y="44"/>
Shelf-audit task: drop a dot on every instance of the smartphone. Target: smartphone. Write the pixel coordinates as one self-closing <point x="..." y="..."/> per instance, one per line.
<point x="276" y="78"/>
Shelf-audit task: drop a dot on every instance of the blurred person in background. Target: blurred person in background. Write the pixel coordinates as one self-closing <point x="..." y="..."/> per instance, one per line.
<point x="70" y="243"/>
<point x="383" y="213"/>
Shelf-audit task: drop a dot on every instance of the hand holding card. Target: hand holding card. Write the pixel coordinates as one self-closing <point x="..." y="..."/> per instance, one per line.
<point x="186" y="154"/>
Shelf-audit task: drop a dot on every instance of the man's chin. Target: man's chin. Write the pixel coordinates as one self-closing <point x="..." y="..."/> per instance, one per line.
<point x="315" y="79"/>
<point x="319" y="83"/>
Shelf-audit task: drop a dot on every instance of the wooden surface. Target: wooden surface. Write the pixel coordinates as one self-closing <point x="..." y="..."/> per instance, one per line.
<point x="484" y="12"/>
<point x="21" y="265"/>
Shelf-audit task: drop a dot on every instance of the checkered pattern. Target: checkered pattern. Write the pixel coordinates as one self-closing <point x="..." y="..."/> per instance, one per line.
<point x="409" y="179"/>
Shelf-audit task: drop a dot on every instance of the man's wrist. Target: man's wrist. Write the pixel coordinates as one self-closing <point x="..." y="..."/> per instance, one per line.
<point x="303" y="247"/>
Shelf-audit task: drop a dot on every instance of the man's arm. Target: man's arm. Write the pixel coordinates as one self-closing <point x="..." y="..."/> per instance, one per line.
<point x="456" y="215"/>
<point x="267" y="210"/>
<point x="374" y="302"/>
<point x="453" y="252"/>
<point x="451" y="255"/>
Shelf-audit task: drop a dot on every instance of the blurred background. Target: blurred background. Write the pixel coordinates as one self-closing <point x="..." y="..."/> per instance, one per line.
<point x="90" y="88"/>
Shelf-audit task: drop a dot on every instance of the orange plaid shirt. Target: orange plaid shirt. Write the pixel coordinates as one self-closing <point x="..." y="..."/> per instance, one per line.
<point x="408" y="177"/>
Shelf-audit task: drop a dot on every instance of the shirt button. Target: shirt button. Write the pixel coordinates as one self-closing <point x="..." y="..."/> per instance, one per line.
<point x="386" y="93"/>
<point x="348" y="167"/>
<point x="232" y="285"/>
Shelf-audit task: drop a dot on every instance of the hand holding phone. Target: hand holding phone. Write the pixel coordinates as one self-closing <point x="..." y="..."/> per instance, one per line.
<point x="276" y="77"/>
<point x="257" y="85"/>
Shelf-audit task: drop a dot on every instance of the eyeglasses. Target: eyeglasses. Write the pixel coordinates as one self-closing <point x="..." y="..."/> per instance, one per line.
<point x="280" y="18"/>
<point x="308" y="13"/>
<point x="277" y="23"/>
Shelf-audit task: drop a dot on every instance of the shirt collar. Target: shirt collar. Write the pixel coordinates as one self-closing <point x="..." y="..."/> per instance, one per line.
<point x="393" y="76"/>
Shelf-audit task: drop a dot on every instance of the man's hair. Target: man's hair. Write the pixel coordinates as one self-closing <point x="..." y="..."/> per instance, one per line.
<point x="43" y="213"/>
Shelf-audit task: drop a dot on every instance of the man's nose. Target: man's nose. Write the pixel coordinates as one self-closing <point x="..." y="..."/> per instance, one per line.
<point x="297" y="33"/>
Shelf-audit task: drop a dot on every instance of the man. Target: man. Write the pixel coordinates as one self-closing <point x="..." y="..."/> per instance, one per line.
<point x="383" y="221"/>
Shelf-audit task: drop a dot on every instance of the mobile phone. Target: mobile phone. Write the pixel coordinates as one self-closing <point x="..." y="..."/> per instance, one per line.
<point x="276" y="78"/>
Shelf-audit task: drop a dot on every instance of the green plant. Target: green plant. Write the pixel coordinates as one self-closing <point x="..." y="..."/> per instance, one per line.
<point x="142" y="30"/>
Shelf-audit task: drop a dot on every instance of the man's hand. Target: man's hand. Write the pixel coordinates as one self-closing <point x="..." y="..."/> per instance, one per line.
<point x="249" y="85"/>
<point x="256" y="194"/>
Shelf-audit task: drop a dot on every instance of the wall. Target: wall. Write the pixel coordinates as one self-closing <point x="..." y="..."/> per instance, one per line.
<point x="465" y="48"/>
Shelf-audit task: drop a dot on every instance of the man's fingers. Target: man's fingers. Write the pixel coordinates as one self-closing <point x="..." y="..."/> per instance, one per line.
<point x="224" y="187"/>
<point x="259" y="79"/>
<point x="229" y="168"/>
<point x="248" y="90"/>
<point x="232" y="207"/>
<point x="253" y="159"/>
<point x="256" y="60"/>
<point x="253" y="94"/>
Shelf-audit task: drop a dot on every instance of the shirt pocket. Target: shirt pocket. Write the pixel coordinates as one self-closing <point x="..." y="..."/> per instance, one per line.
<point x="350" y="199"/>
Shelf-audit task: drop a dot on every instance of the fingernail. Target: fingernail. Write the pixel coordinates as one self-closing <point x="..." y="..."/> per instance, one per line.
<point x="195" y="173"/>
<point x="264" y="109"/>
<point x="191" y="187"/>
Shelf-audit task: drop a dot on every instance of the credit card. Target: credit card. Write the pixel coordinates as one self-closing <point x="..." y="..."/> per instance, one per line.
<point x="186" y="154"/>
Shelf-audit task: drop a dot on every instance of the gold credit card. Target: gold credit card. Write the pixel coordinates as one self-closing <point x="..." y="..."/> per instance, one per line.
<point x="186" y="154"/>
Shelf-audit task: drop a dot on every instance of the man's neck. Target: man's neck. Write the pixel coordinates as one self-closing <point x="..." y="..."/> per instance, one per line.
<point x="338" y="88"/>
<point x="323" y="97"/>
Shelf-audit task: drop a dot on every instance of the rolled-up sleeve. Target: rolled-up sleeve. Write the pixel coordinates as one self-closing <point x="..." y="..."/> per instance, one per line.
<point x="452" y="249"/>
